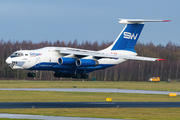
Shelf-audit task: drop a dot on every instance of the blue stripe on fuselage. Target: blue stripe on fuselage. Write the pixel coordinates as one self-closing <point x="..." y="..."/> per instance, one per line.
<point x="56" y="66"/>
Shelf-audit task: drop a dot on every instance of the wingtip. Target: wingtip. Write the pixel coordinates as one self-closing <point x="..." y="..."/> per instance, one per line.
<point x="166" y="20"/>
<point x="160" y="59"/>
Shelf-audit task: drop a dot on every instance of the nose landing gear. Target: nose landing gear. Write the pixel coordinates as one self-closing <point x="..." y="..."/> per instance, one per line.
<point x="31" y="74"/>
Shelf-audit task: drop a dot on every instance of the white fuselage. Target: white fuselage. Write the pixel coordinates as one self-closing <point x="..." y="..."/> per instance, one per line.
<point x="45" y="58"/>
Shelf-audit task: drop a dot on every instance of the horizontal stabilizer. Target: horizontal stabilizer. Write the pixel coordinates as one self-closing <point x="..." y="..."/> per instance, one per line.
<point x="141" y="21"/>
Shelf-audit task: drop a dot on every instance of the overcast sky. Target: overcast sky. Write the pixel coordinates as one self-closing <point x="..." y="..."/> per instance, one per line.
<point x="92" y="20"/>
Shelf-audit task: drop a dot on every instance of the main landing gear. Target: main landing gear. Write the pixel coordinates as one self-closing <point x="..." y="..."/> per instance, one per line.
<point x="85" y="76"/>
<point x="79" y="76"/>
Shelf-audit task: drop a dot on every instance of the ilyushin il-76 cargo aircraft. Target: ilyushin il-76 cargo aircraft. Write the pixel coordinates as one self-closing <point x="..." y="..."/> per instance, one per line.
<point x="76" y="63"/>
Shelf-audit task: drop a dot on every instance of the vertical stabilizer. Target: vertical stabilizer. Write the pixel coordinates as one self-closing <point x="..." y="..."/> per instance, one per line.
<point x="128" y="37"/>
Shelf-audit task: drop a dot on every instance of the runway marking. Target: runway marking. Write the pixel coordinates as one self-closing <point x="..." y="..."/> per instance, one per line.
<point x="101" y="103"/>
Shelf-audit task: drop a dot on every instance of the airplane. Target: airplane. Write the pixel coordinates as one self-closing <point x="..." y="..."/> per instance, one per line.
<point x="76" y="63"/>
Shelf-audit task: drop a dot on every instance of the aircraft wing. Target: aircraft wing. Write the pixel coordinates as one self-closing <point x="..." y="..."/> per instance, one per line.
<point x="98" y="55"/>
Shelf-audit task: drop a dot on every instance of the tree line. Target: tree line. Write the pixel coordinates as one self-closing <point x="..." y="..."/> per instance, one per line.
<point x="130" y="70"/>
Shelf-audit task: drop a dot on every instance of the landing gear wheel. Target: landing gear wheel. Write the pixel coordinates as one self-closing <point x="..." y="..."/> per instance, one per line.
<point x="31" y="74"/>
<point x="86" y="76"/>
<point x="34" y="74"/>
<point x="78" y="76"/>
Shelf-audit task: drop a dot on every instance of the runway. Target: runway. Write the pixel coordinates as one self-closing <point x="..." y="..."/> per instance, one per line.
<point x="39" y="117"/>
<point x="89" y="104"/>
<point x="93" y="90"/>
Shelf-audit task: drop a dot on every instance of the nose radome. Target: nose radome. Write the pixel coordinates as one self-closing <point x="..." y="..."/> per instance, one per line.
<point x="8" y="60"/>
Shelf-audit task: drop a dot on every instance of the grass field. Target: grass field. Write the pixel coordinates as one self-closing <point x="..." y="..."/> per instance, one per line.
<point x="123" y="113"/>
<point x="48" y="96"/>
<point x="161" y="86"/>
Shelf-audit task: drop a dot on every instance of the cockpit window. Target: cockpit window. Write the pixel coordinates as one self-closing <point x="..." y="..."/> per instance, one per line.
<point x="17" y="54"/>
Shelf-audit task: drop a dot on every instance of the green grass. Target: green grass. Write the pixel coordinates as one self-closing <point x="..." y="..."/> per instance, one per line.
<point x="161" y="86"/>
<point x="48" y="96"/>
<point x="117" y="113"/>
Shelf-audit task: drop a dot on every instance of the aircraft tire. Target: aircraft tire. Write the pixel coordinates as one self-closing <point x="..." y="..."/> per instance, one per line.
<point x="78" y="76"/>
<point x="34" y="74"/>
<point x="31" y="74"/>
<point x="86" y="76"/>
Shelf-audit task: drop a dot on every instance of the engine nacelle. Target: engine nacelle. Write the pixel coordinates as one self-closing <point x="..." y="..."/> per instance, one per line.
<point x="86" y="63"/>
<point x="66" y="61"/>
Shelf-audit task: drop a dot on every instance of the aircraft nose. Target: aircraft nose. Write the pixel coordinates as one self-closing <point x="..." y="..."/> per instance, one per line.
<point x="8" y="60"/>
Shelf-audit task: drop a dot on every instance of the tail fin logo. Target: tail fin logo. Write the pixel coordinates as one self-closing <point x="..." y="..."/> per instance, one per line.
<point x="128" y="35"/>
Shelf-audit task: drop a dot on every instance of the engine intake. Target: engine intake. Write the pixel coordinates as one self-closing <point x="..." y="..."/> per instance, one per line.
<point x="66" y="61"/>
<point x="86" y="63"/>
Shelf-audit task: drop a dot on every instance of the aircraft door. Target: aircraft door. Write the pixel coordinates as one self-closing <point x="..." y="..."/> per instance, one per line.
<point x="38" y="60"/>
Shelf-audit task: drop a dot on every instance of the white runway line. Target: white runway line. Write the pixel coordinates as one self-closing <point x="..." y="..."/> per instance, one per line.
<point x="20" y="116"/>
<point x="93" y="90"/>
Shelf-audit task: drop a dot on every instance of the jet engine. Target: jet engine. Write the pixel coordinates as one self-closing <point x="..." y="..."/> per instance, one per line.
<point x="86" y="63"/>
<point x="66" y="61"/>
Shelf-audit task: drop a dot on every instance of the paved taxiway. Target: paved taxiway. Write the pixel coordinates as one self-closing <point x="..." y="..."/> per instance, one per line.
<point x="88" y="104"/>
<point x="93" y="90"/>
<point x="20" y="116"/>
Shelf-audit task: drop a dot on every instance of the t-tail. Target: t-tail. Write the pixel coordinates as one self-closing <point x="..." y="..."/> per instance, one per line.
<point x="128" y="37"/>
